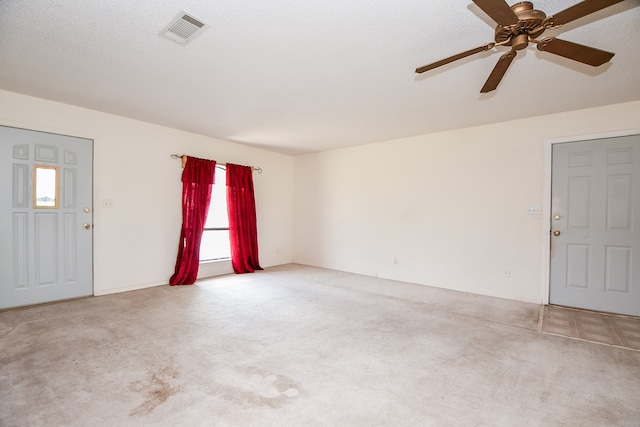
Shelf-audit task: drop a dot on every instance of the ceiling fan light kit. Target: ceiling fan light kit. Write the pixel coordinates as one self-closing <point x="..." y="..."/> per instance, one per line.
<point x="521" y="24"/>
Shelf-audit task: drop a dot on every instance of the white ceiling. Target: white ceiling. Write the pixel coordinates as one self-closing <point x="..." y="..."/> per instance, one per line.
<point x="306" y="76"/>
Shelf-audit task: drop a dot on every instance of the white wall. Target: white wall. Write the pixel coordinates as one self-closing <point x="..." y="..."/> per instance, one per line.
<point x="135" y="243"/>
<point x="450" y="206"/>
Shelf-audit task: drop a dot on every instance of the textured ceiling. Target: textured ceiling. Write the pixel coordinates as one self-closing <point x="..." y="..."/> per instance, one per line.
<point x="306" y="76"/>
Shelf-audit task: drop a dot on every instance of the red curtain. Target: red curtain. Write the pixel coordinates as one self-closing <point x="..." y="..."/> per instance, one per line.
<point x="197" y="179"/>
<point x="243" y="233"/>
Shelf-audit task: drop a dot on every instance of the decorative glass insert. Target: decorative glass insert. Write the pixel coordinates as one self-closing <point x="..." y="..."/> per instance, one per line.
<point x="46" y="188"/>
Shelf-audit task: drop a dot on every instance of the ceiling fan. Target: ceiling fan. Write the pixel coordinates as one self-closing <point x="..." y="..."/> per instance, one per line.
<point x="521" y="24"/>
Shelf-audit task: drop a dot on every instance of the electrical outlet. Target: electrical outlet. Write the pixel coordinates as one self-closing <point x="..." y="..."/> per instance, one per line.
<point x="506" y="273"/>
<point x="107" y="203"/>
<point x="395" y="259"/>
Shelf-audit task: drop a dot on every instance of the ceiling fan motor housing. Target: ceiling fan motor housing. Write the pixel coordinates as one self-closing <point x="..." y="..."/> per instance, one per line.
<point x="529" y="26"/>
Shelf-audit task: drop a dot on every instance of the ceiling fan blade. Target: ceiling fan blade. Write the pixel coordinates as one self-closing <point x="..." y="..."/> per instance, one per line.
<point x="498" y="72"/>
<point x="454" y="58"/>
<point x="578" y="11"/>
<point x="498" y="10"/>
<point x="577" y="52"/>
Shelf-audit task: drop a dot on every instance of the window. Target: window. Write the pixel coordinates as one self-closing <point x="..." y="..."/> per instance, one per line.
<point x="46" y="186"/>
<point x="215" y="239"/>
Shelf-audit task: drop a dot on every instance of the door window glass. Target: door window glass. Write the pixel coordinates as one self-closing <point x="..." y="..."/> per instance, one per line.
<point x="45" y="186"/>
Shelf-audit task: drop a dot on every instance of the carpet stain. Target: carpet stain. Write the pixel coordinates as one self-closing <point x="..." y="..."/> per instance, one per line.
<point x="255" y="388"/>
<point x="155" y="388"/>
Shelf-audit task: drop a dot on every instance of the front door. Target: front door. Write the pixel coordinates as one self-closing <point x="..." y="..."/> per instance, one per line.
<point x="46" y="217"/>
<point x="595" y="225"/>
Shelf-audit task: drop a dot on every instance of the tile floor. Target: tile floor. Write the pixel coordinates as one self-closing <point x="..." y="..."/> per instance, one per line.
<point x="621" y="331"/>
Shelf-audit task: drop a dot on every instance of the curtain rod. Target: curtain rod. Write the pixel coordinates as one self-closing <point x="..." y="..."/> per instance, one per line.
<point x="184" y="159"/>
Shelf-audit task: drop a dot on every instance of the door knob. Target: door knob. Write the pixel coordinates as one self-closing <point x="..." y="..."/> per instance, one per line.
<point x="86" y="226"/>
<point x="556" y="233"/>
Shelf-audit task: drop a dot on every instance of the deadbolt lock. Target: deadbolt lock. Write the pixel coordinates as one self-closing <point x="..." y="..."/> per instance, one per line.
<point x="556" y="217"/>
<point x="86" y="210"/>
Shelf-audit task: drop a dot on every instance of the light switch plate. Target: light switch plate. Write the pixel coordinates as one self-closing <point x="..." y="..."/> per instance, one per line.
<point x="534" y="210"/>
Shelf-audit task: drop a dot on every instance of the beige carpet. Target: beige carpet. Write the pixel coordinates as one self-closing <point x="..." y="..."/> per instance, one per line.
<point x="302" y="346"/>
<point x="611" y="329"/>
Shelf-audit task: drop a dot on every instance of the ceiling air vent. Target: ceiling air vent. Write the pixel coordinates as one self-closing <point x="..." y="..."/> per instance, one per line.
<point x="184" y="28"/>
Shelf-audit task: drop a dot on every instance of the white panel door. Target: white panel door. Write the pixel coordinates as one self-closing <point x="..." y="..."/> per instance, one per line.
<point x="46" y="217"/>
<point x="595" y="225"/>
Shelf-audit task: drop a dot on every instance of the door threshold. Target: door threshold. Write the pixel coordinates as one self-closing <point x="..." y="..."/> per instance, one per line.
<point x="586" y="310"/>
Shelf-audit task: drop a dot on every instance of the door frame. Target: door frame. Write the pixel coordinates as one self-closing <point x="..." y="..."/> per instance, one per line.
<point x="546" y="202"/>
<point x="77" y="134"/>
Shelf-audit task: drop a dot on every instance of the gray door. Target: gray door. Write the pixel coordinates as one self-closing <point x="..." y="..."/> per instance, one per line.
<point x="45" y="217"/>
<point x="595" y="225"/>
